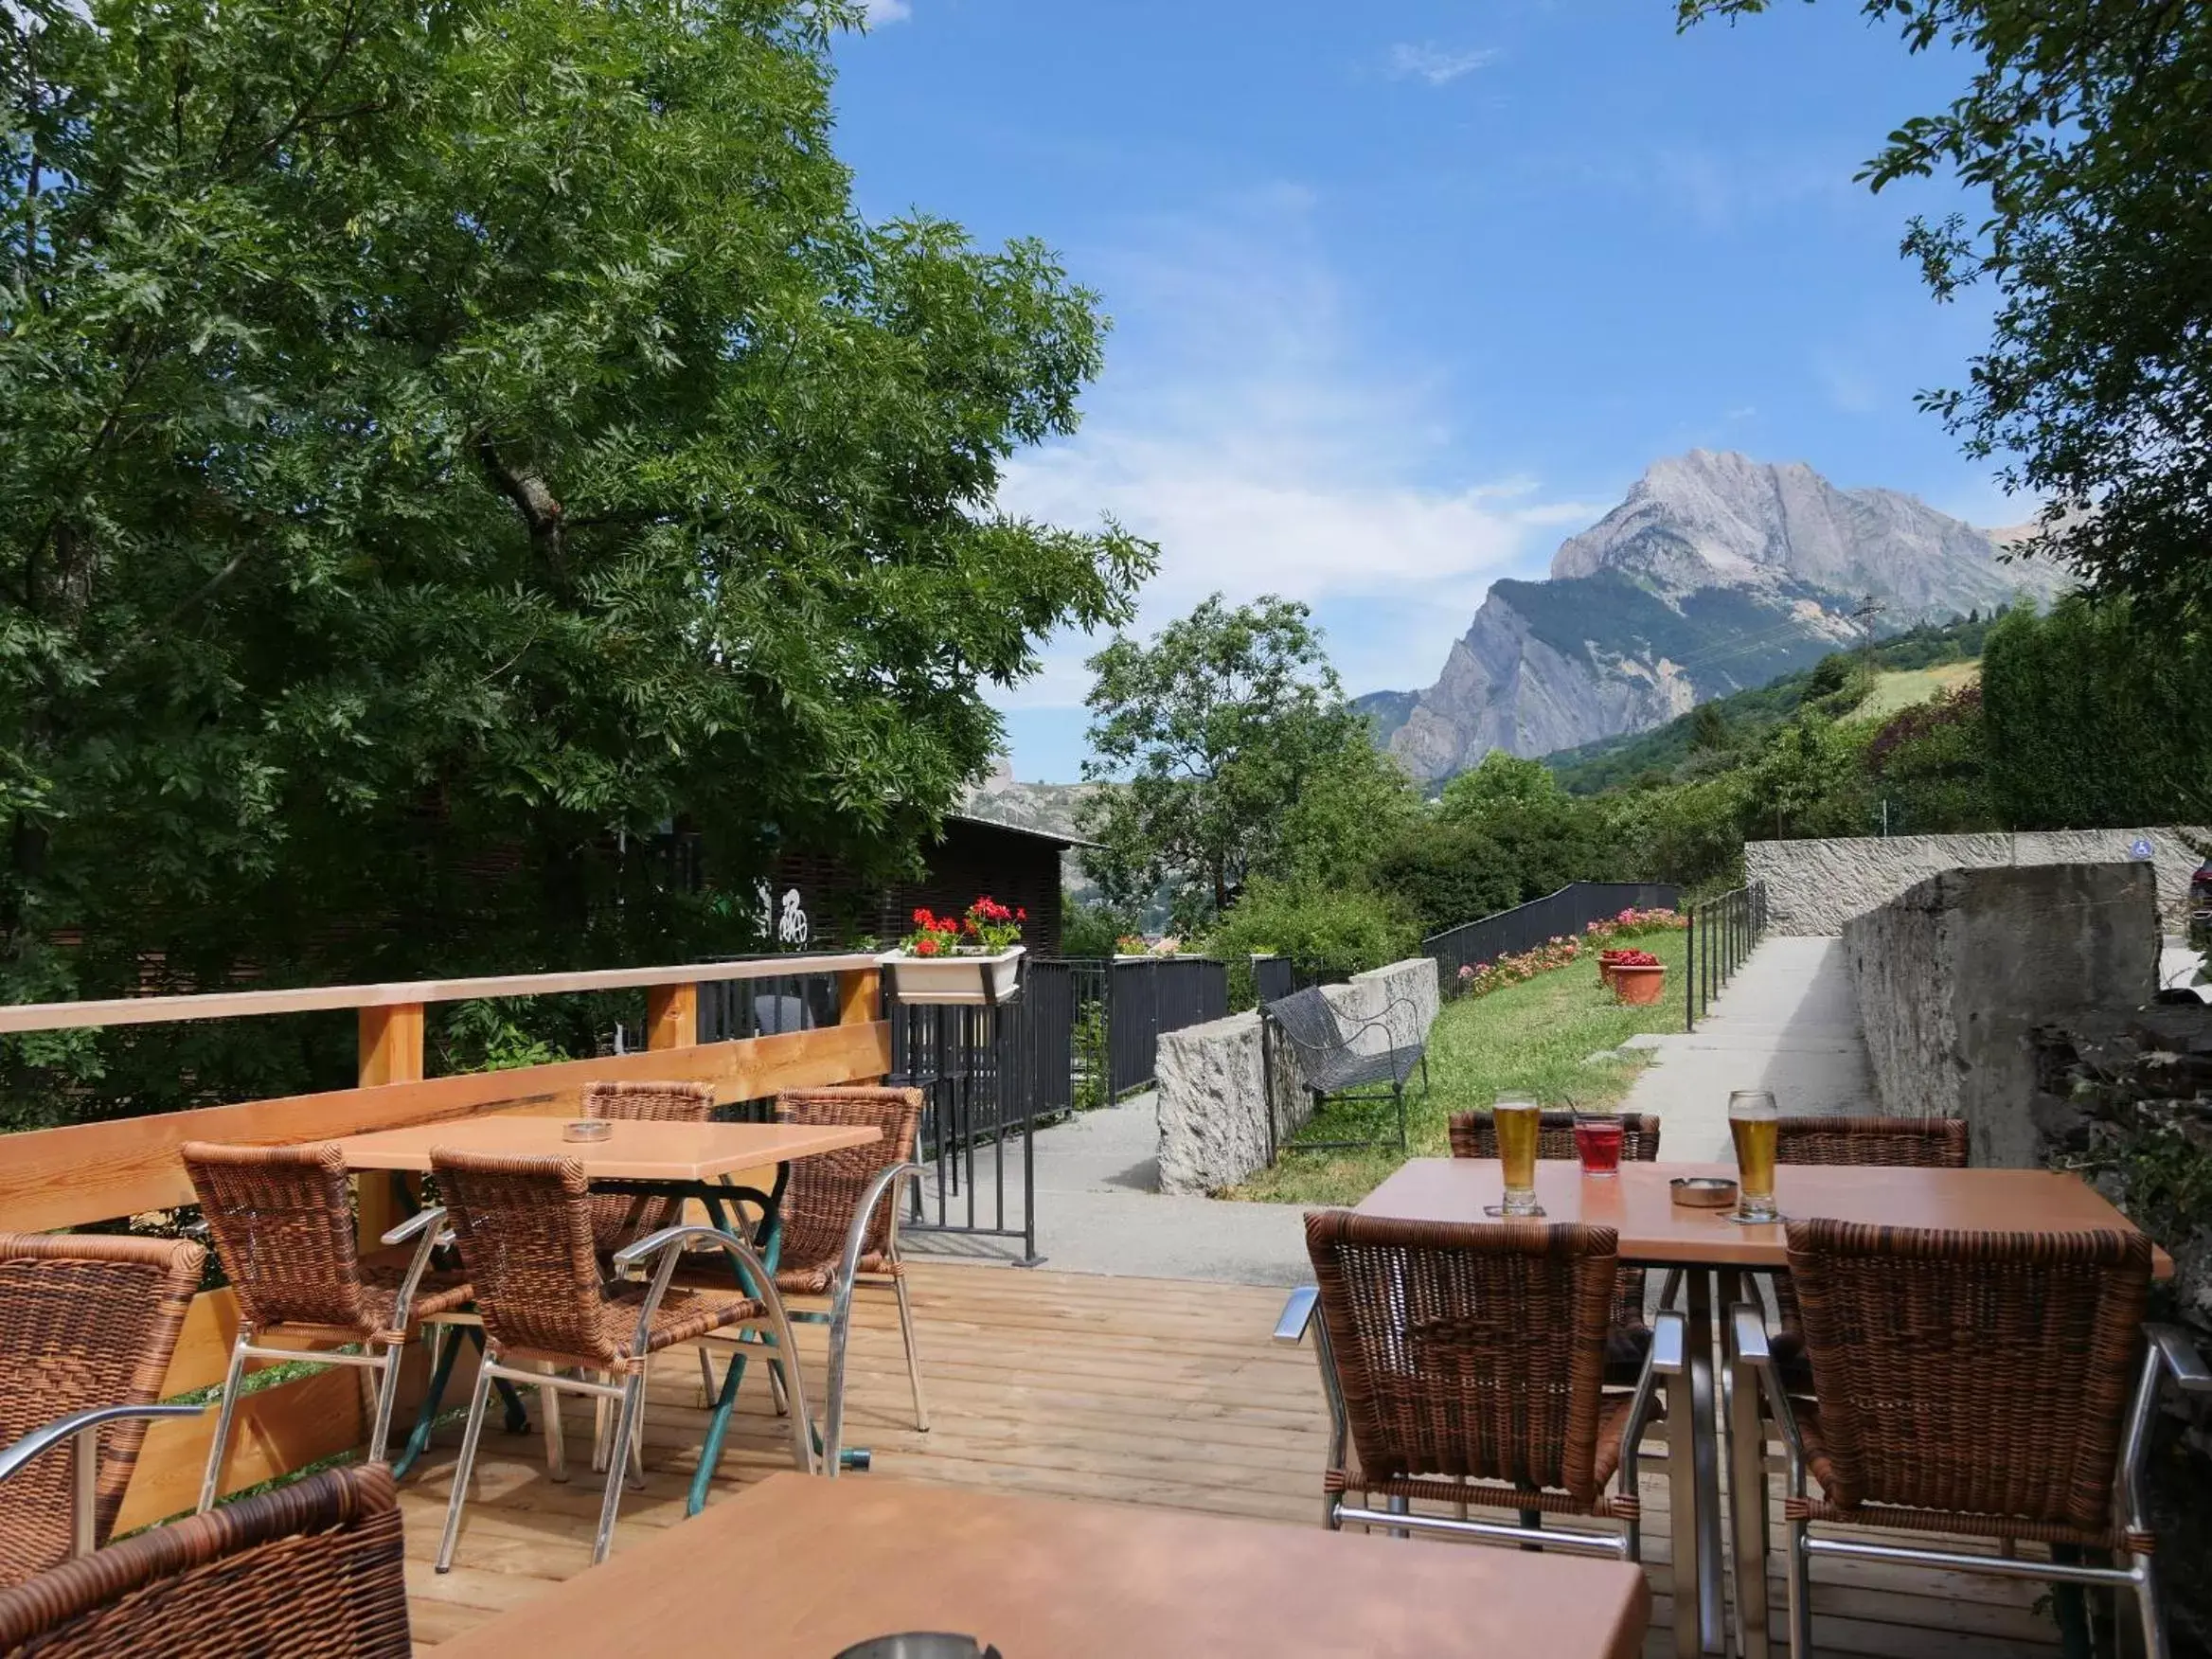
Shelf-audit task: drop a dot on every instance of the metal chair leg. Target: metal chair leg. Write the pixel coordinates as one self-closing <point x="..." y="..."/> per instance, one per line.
<point x="707" y="1389"/>
<point x="387" y="1395"/>
<point x="913" y="1356"/>
<point x="209" y="1480"/>
<point x="2154" y="1644"/>
<point x="1799" y="1577"/>
<point x="556" y="1438"/>
<point x="625" y="1427"/>
<point x="478" y="1400"/>
<point x="635" y="1461"/>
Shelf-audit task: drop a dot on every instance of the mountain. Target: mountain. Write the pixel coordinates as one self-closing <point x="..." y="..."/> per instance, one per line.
<point x="1717" y="573"/>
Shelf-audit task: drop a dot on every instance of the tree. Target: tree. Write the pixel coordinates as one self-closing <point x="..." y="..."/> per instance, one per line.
<point x="2087" y="125"/>
<point x="1215" y="728"/>
<point x="447" y="453"/>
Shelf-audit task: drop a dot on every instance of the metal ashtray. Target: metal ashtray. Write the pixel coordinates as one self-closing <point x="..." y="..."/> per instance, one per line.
<point x="587" y="1129"/>
<point x="1703" y="1191"/>
<point x="920" y="1645"/>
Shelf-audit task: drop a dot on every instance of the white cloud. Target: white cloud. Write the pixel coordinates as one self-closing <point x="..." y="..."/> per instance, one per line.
<point x="1245" y="427"/>
<point x="882" y="11"/>
<point x="1437" y="65"/>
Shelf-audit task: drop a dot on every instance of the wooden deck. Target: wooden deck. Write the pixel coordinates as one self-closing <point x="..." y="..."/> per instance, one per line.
<point x="1131" y="1391"/>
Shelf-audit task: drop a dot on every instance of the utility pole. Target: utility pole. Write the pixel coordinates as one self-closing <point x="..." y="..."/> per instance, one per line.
<point x="1863" y="619"/>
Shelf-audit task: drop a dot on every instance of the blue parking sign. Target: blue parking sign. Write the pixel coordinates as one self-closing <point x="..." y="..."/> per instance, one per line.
<point x="2139" y="847"/>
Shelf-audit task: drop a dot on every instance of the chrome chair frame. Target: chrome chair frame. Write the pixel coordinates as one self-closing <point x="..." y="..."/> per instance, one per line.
<point x="80" y="1428"/>
<point x="668" y="1246"/>
<point x="423" y="1228"/>
<point x="2169" y="1349"/>
<point x="1665" y="1360"/>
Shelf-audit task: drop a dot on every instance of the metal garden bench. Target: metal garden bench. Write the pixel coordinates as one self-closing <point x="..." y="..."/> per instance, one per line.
<point x="1333" y="1065"/>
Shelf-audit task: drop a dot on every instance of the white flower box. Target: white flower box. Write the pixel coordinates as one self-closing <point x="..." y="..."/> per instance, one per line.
<point x="924" y="981"/>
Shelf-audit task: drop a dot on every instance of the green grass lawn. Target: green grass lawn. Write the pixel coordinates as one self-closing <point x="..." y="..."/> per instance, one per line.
<point x="1530" y="1038"/>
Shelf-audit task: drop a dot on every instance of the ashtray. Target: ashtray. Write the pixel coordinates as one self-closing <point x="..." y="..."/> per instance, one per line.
<point x="587" y="1129"/>
<point x="1703" y="1191"/>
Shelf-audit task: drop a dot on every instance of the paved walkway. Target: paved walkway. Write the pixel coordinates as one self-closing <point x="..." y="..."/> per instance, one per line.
<point x="1787" y="1022"/>
<point x="1097" y="1211"/>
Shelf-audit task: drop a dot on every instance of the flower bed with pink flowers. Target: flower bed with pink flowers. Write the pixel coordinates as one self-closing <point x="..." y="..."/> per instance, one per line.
<point x="1565" y="950"/>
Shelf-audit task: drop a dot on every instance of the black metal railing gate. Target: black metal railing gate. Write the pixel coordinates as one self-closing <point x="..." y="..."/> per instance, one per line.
<point x="1722" y="932"/>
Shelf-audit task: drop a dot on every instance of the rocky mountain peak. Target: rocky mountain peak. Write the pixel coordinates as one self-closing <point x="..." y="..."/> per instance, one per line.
<point x="1716" y="572"/>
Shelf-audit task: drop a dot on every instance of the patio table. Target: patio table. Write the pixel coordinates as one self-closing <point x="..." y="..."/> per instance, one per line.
<point x="678" y="1160"/>
<point x="1639" y="1204"/>
<point x="826" y="1565"/>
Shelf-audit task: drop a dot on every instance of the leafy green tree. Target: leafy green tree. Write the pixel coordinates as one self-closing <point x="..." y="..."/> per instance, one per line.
<point x="2087" y="125"/>
<point x="1093" y="930"/>
<point x="1808" y="781"/>
<point x="1502" y="783"/>
<point x="1336" y="931"/>
<point x="1930" y="766"/>
<point x="1214" y="731"/>
<point x="1503" y="833"/>
<point x="1355" y="803"/>
<point x="453" y="460"/>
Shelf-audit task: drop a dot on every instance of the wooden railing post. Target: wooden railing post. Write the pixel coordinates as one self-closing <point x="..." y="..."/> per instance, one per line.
<point x="389" y="1051"/>
<point x="671" y="1016"/>
<point x="859" y="992"/>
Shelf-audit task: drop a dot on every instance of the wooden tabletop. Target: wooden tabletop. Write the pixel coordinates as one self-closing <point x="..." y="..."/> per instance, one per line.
<point x="632" y="1151"/>
<point x="1639" y="1205"/>
<point x="824" y="1564"/>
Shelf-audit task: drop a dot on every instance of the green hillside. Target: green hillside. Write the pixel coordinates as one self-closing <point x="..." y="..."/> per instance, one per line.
<point x="1907" y="660"/>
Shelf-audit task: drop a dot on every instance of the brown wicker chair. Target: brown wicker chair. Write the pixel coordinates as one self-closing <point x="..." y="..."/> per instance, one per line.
<point x="1463" y="1365"/>
<point x="1994" y="1385"/>
<point x="526" y="1228"/>
<point x="87" y="1324"/>
<point x="314" y="1570"/>
<point x="282" y="1221"/>
<point x="1629" y="1336"/>
<point x="621" y="1218"/>
<point x="1897" y="1143"/>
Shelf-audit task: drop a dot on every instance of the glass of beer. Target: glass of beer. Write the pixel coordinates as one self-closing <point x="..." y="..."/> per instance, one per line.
<point x="1518" y="1124"/>
<point x="1752" y="1120"/>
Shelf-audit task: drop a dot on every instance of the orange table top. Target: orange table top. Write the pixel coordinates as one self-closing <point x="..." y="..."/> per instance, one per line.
<point x="632" y="1151"/>
<point x="827" y="1563"/>
<point x="1639" y="1203"/>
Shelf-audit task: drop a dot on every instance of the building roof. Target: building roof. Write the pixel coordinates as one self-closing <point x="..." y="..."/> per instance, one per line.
<point x="1056" y="837"/>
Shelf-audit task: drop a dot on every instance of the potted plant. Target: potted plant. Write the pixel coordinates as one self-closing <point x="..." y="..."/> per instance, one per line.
<point x="1605" y="961"/>
<point x="1637" y="977"/>
<point x="971" y="958"/>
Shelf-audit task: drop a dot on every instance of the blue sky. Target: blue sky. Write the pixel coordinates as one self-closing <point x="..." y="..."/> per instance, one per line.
<point x="1404" y="293"/>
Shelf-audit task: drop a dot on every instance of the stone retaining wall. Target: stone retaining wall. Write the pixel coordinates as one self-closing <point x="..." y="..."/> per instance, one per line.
<point x="1211" y="1078"/>
<point x="1954" y="974"/>
<point x="1816" y="886"/>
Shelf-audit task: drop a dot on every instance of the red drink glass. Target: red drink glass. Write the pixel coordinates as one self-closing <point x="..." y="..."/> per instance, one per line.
<point x="1597" y="1144"/>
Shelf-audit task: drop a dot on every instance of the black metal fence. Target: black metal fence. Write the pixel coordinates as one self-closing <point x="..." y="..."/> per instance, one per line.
<point x="1149" y="996"/>
<point x="1564" y="913"/>
<point x="973" y="1066"/>
<point x="1722" y="932"/>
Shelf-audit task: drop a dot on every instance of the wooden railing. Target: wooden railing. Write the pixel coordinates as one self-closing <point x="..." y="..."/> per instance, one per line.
<point x="85" y="1173"/>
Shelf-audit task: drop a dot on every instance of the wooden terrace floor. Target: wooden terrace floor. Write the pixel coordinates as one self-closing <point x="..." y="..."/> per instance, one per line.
<point x="1151" y="1393"/>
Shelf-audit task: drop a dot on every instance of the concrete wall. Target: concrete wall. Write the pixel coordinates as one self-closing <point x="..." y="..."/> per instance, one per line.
<point x="1816" y="886"/>
<point x="1211" y="1090"/>
<point x="1953" y="974"/>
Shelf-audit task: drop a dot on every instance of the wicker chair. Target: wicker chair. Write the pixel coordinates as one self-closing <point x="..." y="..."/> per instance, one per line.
<point x="1463" y="1365"/>
<point x="838" y="1229"/>
<point x="526" y="1227"/>
<point x="1993" y="1385"/>
<point x="314" y="1570"/>
<point x="282" y="1221"/>
<point x="1629" y="1336"/>
<point x="620" y="1218"/>
<point x="87" y="1325"/>
<point x="1898" y="1143"/>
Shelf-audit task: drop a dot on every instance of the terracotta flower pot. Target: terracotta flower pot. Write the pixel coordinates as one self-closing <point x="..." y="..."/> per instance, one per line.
<point x="1638" y="986"/>
<point x="1605" y="963"/>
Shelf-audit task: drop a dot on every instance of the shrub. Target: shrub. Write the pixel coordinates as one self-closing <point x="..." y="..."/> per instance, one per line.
<point x="1333" y="930"/>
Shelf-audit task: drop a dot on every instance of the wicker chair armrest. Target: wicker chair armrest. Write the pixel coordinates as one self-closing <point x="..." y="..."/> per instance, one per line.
<point x="1298" y="1314"/>
<point x="46" y="1435"/>
<point x="2178" y="1351"/>
<point x="426" y="1228"/>
<point x="1756" y="1368"/>
<point x="44" y="1438"/>
<point x="415" y="1223"/>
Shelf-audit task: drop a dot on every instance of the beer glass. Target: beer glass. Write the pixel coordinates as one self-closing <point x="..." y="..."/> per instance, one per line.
<point x="1518" y="1123"/>
<point x="1752" y="1120"/>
